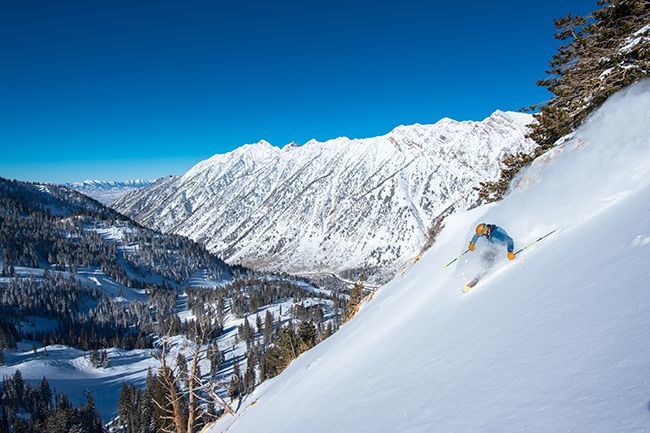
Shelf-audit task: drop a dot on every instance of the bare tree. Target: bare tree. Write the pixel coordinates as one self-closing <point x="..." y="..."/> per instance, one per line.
<point x="199" y="391"/>
<point x="173" y="410"/>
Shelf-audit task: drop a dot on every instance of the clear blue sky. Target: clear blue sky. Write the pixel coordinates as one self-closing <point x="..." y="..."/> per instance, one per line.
<point x="123" y="89"/>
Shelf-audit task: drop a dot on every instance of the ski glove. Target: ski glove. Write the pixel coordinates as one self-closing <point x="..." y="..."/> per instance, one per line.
<point x="511" y="255"/>
<point x="471" y="246"/>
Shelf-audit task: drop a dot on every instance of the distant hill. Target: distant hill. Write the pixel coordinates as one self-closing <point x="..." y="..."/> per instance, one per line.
<point x="107" y="192"/>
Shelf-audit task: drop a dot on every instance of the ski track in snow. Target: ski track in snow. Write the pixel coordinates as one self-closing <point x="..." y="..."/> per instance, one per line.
<point x="641" y="240"/>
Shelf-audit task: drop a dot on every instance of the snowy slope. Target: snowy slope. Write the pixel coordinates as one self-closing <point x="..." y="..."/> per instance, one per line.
<point x="339" y="206"/>
<point x="106" y="192"/>
<point x="554" y="341"/>
<point x="69" y="371"/>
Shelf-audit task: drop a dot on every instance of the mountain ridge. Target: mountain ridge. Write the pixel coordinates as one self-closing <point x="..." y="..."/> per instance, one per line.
<point x="328" y="206"/>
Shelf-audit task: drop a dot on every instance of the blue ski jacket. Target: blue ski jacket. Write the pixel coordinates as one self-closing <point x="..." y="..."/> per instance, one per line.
<point x="497" y="235"/>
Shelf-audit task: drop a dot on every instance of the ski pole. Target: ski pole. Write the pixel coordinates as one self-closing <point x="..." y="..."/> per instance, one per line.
<point x="459" y="256"/>
<point x="535" y="241"/>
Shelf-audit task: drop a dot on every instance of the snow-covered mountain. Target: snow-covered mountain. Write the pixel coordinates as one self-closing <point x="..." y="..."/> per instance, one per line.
<point x="343" y="206"/>
<point x="555" y="341"/>
<point x="107" y="192"/>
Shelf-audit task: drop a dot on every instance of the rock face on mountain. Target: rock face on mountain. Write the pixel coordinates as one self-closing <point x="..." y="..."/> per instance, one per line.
<point x="344" y="205"/>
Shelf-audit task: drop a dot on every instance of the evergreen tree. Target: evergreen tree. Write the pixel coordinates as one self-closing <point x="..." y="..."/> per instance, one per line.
<point x="147" y="418"/>
<point x="268" y="328"/>
<point x="90" y="421"/>
<point x="30" y="409"/>
<point x="161" y="405"/>
<point x="215" y="357"/>
<point x="602" y="53"/>
<point x="356" y="296"/>
<point x="181" y="368"/>
<point x="103" y="360"/>
<point x="249" y="378"/>
<point x="306" y="336"/>
<point x="124" y="407"/>
<point x="284" y="350"/>
<point x="94" y="358"/>
<point x="258" y="323"/>
<point x="235" y="387"/>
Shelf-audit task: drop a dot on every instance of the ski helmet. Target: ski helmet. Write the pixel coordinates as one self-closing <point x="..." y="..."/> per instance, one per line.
<point x="480" y="229"/>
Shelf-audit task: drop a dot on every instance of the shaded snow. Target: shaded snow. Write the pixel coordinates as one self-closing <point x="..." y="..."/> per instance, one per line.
<point x="68" y="370"/>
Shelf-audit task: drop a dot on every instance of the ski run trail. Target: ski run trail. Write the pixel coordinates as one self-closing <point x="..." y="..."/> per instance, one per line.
<point x="556" y="341"/>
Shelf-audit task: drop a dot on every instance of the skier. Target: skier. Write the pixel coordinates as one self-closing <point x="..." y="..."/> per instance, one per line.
<point x="494" y="234"/>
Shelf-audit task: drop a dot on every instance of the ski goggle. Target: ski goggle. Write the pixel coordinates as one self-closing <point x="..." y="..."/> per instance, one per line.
<point x="483" y="229"/>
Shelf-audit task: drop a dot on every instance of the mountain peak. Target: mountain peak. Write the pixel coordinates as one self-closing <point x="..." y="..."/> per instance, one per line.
<point x="263" y="143"/>
<point x="290" y="146"/>
<point x="520" y="118"/>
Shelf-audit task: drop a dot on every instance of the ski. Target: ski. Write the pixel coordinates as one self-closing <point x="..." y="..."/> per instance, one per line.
<point x="471" y="284"/>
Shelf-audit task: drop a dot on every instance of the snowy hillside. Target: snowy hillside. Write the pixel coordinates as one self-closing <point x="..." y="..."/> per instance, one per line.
<point x="78" y="279"/>
<point x="69" y="370"/>
<point x="107" y="192"/>
<point x="555" y="341"/>
<point x="340" y="206"/>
